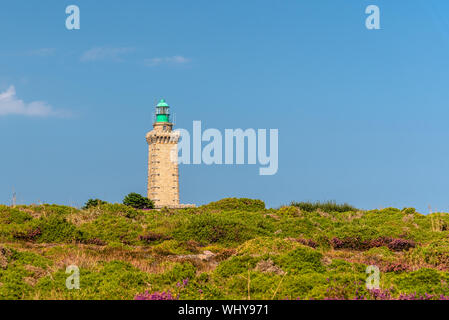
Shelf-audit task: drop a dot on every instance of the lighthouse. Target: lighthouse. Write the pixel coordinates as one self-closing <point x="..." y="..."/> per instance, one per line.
<point x="163" y="172"/>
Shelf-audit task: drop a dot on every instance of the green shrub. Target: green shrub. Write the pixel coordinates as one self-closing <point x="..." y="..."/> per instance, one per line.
<point x="13" y="215"/>
<point x="236" y="265"/>
<point x="13" y="286"/>
<point x="136" y="201"/>
<point x="289" y="211"/>
<point x="409" y="211"/>
<point x="171" y="247"/>
<point x="339" y="266"/>
<point x="174" y="273"/>
<point x="115" y="280"/>
<point x="328" y="206"/>
<point x="54" y="209"/>
<point x="108" y="227"/>
<point x="435" y="254"/>
<point x="56" y="229"/>
<point x="243" y="204"/>
<point x="22" y="269"/>
<point x="303" y="286"/>
<point x="267" y="245"/>
<point x="29" y="258"/>
<point x="422" y="281"/>
<point x="219" y="228"/>
<point x="121" y="210"/>
<point x="300" y="260"/>
<point x="93" y="203"/>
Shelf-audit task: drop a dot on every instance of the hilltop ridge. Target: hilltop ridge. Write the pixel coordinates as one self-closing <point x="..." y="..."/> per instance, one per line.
<point x="229" y="249"/>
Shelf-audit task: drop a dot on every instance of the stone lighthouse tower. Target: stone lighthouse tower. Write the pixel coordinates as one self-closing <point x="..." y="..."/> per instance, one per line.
<point x="163" y="177"/>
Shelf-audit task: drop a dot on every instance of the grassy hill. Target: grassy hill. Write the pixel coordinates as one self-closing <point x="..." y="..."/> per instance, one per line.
<point x="230" y="249"/>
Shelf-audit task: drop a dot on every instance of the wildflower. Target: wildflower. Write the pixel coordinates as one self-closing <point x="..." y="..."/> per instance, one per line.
<point x="155" y="296"/>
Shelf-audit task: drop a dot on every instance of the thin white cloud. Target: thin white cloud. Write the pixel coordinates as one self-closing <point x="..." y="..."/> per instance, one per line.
<point x="11" y="105"/>
<point x="101" y="53"/>
<point x="42" y="52"/>
<point x="166" y="60"/>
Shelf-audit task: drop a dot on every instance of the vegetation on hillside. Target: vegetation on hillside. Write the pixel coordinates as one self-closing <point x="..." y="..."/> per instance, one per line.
<point x="137" y="201"/>
<point x="230" y="249"/>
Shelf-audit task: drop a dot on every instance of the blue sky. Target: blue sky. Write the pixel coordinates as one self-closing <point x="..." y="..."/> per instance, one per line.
<point x="362" y="114"/>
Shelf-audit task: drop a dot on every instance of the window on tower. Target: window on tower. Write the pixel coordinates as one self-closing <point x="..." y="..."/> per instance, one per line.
<point x="162" y="110"/>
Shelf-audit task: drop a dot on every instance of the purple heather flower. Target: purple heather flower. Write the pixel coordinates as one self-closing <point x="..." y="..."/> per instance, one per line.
<point x="155" y="296"/>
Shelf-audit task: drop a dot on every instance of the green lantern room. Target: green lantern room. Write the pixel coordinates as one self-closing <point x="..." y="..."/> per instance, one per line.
<point x="162" y="112"/>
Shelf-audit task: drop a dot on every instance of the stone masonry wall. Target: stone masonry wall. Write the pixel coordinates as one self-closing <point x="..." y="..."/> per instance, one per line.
<point x="163" y="174"/>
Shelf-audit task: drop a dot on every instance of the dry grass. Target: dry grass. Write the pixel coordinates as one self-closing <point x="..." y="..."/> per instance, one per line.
<point x="92" y="256"/>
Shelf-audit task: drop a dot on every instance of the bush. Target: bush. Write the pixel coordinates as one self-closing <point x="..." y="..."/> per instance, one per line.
<point x="121" y="210"/>
<point x="300" y="260"/>
<point x="9" y="215"/>
<point x="400" y="244"/>
<point x="172" y="247"/>
<point x="29" y="235"/>
<point x="243" y="204"/>
<point x="20" y="266"/>
<point x="302" y="286"/>
<point x="289" y="211"/>
<point x="421" y="281"/>
<point x="92" y="203"/>
<point x="114" y="280"/>
<point x="307" y="242"/>
<point x="355" y="243"/>
<point x="109" y="227"/>
<point x="328" y="206"/>
<point x="236" y="265"/>
<point x="219" y="228"/>
<point x="175" y="272"/>
<point x="152" y="236"/>
<point x="136" y="201"/>
<point x="57" y="229"/>
<point x="54" y="209"/>
<point x="397" y="267"/>
<point x="351" y="243"/>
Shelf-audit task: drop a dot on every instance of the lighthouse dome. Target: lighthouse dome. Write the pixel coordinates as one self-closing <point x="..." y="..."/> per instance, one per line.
<point x="162" y="103"/>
